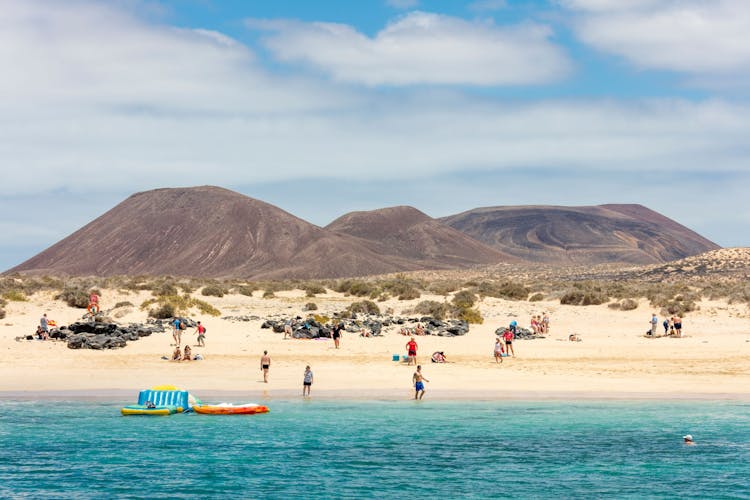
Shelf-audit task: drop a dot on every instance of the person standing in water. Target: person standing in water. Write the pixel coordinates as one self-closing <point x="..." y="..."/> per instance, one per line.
<point x="418" y="379"/>
<point x="307" y="381"/>
<point x="265" y="364"/>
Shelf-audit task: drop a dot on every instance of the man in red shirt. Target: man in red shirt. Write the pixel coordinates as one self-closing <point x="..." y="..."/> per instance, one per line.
<point x="201" y="331"/>
<point x="508" y="336"/>
<point x="411" y="351"/>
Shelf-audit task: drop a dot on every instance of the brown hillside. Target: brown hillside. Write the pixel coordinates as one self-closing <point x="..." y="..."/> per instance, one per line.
<point x="581" y="235"/>
<point x="206" y="231"/>
<point x="406" y="232"/>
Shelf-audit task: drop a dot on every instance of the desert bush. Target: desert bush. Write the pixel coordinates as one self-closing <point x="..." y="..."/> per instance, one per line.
<point x="163" y="289"/>
<point x="124" y="304"/>
<point x="268" y="294"/>
<point x="438" y="310"/>
<point x="164" y="311"/>
<point x="471" y="315"/>
<point x="402" y="287"/>
<point x="311" y="306"/>
<point x="213" y="291"/>
<point x="205" y="308"/>
<point x="358" y="288"/>
<point x="504" y="290"/>
<point x="246" y="290"/>
<point x="464" y="299"/>
<point x="583" y="298"/>
<point x="311" y="289"/>
<point x="628" y="304"/>
<point x="444" y="287"/>
<point x="74" y="297"/>
<point x="364" y="306"/>
<point x="3" y="302"/>
<point x="15" y="296"/>
<point x="536" y="297"/>
<point x="186" y="287"/>
<point x="321" y="319"/>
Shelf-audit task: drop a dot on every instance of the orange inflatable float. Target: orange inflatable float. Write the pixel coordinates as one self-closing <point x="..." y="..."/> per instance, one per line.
<point x="230" y="409"/>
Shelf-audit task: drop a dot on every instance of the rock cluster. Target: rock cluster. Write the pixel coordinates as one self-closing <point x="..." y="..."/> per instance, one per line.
<point x="373" y="324"/>
<point x="521" y="333"/>
<point x="105" y="335"/>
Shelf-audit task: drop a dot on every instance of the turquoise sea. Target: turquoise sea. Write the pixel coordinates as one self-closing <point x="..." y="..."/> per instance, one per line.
<point x="385" y="449"/>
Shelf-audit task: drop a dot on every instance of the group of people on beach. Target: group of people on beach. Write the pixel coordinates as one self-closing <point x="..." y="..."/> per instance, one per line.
<point x="672" y="326"/>
<point x="540" y="324"/>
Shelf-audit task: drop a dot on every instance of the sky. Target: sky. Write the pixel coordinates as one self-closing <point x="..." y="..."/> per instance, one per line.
<point x="325" y="107"/>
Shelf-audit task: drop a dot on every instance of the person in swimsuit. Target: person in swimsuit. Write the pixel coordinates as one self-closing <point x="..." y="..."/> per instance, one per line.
<point x="508" y="336"/>
<point x="265" y="364"/>
<point x="188" y="355"/>
<point x="418" y="380"/>
<point x="688" y="440"/>
<point x="411" y="351"/>
<point x="677" y="321"/>
<point x="177" y="354"/>
<point x="307" y="381"/>
<point x="499" y="351"/>
<point x="176" y="332"/>
<point x="337" y="334"/>
<point x="288" y="328"/>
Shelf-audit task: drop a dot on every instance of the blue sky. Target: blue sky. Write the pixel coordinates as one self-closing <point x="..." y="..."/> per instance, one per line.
<point x="327" y="107"/>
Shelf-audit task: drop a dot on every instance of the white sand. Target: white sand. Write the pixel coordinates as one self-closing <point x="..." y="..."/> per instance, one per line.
<point x="613" y="360"/>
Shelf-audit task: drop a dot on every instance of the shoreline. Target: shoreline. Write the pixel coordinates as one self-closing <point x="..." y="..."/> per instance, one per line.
<point x="112" y="395"/>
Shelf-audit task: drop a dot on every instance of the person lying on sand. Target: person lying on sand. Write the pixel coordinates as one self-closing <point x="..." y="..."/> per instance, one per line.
<point x="574" y="337"/>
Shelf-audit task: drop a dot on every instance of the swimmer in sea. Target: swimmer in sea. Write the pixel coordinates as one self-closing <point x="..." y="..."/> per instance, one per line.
<point x="688" y="439"/>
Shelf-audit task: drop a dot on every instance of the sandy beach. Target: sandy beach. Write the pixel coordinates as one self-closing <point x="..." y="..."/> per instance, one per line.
<point x="613" y="360"/>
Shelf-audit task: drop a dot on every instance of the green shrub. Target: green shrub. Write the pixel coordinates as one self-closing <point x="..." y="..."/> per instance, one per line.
<point x="536" y="297"/>
<point x="444" y="287"/>
<point x="311" y="290"/>
<point x="164" y="311"/>
<point x="311" y="306"/>
<point x="504" y="290"/>
<point x="358" y="288"/>
<point x="402" y="287"/>
<point x="628" y="304"/>
<point x="438" y="310"/>
<point x="464" y="299"/>
<point x="186" y="287"/>
<point x="205" y="307"/>
<point x="584" y="295"/>
<point x="213" y="291"/>
<point x="163" y="289"/>
<point x="471" y="315"/>
<point x="74" y="297"/>
<point x="364" y="306"/>
<point x="16" y="296"/>
<point x="246" y="290"/>
<point x="268" y="294"/>
<point x="124" y="304"/>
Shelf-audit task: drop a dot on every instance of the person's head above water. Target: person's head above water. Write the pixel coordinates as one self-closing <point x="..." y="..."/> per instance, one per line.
<point x="688" y="438"/>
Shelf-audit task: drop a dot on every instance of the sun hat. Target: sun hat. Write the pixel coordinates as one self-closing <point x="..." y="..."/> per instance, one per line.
<point x="687" y="437"/>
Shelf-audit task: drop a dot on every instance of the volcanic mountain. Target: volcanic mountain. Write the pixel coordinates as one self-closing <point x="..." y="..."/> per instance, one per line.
<point x="213" y="232"/>
<point x="581" y="235"/>
<point x="406" y="232"/>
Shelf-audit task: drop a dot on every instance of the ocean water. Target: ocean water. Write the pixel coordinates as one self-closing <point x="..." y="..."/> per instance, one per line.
<point x="381" y="449"/>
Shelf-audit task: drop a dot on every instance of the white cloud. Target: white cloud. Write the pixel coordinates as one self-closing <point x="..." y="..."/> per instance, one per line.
<point x="403" y="4"/>
<point x="692" y="36"/>
<point x="95" y="100"/>
<point x="422" y="48"/>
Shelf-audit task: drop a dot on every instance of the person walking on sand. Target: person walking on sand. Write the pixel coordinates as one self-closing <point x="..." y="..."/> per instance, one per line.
<point x="337" y="334"/>
<point x="307" y="381"/>
<point x="288" y="328"/>
<point x="508" y="336"/>
<point x="418" y="380"/>
<point x="665" y="324"/>
<point x="201" y="331"/>
<point x="411" y="351"/>
<point x="265" y="364"/>
<point x="498" y="350"/>
<point x="654" y="323"/>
